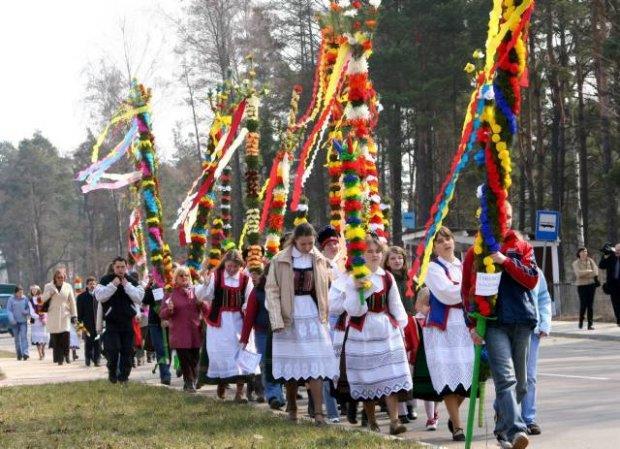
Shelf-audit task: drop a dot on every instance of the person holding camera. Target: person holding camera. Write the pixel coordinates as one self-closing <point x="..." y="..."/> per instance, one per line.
<point x="586" y="280"/>
<point x="119" y="295"/>
<point x="611" y="263"/>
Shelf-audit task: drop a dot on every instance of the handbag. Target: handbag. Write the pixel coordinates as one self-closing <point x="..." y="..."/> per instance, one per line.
<point x="606" y="288"/>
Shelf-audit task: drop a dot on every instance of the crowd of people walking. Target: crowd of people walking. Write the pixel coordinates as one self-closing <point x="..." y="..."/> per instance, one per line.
<point x="310" y="324"/>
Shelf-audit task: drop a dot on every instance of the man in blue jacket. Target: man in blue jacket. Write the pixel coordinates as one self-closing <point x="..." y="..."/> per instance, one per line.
<point x="508" y="337"/>
<point x="542" y="301"/>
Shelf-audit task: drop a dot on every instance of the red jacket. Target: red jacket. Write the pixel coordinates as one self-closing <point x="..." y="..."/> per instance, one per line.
<point x="184" y="319"/>
<point x="520" y="275"/>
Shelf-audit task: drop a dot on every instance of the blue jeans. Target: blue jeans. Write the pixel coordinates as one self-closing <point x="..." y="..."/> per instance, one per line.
<point x="157" y="339"/>
<point x="272" y="390"/>
<point x="507" y="346"/>
<point x="330" y="401"/>
<point x="20" y="334"/>
<point x="528" y="406"/>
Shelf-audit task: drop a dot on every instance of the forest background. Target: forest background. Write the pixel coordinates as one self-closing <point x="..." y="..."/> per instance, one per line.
<point x="566" y="157"/>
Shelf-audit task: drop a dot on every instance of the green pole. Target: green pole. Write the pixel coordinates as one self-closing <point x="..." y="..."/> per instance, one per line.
<point x="481" y="328"/>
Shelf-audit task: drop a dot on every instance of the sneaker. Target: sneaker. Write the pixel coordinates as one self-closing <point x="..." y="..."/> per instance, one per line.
<point x="431" y="424"/>
<point x="533" y="429"/>
<point x="520" y="441"/>
<point x="403" y="419"/>
<point x="335" y="420"/>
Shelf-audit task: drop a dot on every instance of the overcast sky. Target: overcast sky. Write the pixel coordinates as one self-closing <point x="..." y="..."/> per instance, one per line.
<point x="46" y="46"/>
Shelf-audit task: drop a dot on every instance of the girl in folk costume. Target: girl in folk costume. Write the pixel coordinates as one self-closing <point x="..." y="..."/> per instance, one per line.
<point x="183" y="310"/>
<point x="395" y="262"/>
<point x="447" y="343"/>
<point x="39" y="336"/>
<point x="422" y="384"/>
<point x="376" y="361"/>
<point x="296" y="288"/>
<point x="227" y="290"/>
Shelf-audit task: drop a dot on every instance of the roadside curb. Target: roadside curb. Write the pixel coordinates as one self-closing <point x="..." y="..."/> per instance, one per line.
<point x="598" y="337"/>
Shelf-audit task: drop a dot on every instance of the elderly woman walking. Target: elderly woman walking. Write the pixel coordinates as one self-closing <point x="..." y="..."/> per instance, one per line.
<point x="59" y="300"/>
<point x="183" y="310"/>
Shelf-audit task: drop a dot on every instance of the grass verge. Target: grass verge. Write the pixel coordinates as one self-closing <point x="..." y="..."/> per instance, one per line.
<point x="99" y="415"/>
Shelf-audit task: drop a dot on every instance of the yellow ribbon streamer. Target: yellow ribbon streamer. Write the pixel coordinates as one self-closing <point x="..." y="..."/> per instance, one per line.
<point x="120" y="117"/>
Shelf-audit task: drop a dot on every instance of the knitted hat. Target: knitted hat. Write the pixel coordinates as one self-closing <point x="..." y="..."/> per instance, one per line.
<point x="327" y="234"/>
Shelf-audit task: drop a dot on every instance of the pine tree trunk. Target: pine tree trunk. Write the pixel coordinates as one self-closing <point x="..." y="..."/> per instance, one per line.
<point x="599" y="28"/>
<point x="395" y="161"/>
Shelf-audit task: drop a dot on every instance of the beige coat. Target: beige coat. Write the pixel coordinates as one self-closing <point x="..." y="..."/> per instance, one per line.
<point x="61" y="307"/>
<point x="280" y="288"/>
<point x="585" y="272"/>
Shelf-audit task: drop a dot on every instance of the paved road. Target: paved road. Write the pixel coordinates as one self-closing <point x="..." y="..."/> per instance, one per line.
<point x="579" y="392"/>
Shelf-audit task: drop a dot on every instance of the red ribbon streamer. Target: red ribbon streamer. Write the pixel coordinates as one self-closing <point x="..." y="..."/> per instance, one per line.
<point x="209" y="173"/>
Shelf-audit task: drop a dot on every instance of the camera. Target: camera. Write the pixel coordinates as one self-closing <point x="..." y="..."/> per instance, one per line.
<point x="608" y="249"/>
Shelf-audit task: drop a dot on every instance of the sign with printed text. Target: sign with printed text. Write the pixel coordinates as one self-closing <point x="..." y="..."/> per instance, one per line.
<point x="547" y="225"/>
<point x="487" y="284"/>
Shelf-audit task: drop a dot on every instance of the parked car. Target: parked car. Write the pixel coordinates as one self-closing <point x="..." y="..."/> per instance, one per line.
<point x="6" y="291"/>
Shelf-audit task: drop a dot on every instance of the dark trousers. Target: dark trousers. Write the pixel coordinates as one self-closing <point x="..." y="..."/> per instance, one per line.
<point x="615" y="302"/>
<point x="188" y="358"/>
<point x="92" y="349"/>
<point x="119" y="352"/>
<point x="586" y="302"/>
<point x="157" y="338"/>
<point x="60" y="346"/>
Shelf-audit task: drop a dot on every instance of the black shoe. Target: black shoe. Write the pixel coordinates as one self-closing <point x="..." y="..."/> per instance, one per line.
<point x="458" y="435"/>
<point x="403" y="419"/>
<point x="275" y="404"/>
<point x="67" y="360"/>
<point x="352" y="414"/>
<point x="590" y="327"/>
<point x="411" y="413"/>
<point x="581" y="325"/>
<point x="260" y="399"/>
<point x="112" y="379"/>
<point x="96" y="364"/>
<point x="165" y="382"/>
<point x="26" y="357"/>
<point x="19" y="357"/>
<point x="533" y="429"/>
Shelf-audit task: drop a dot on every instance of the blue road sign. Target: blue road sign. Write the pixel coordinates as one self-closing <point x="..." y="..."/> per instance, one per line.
<point x="409" y="220"/>
<point x="547" y="225"/>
